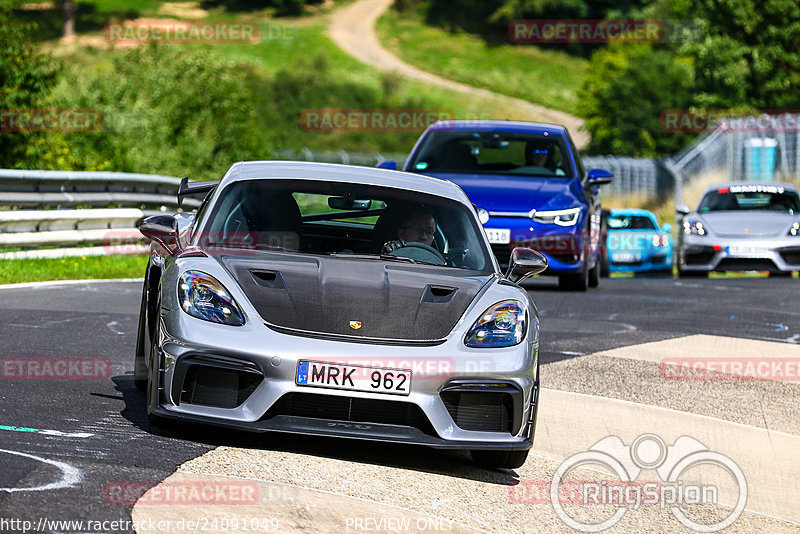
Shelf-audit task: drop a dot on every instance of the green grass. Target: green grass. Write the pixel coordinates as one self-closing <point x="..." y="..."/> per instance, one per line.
<point x="544" y="76"/>
<point x="77" y="268"/>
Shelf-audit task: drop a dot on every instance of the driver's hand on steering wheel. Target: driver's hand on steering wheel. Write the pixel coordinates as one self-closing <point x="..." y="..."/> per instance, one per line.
<point x="391" y="246"/>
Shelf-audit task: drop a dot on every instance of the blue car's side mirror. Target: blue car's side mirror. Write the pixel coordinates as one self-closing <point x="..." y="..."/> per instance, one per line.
<point x="667" y="227"/>
<point x="599" y="177"/>
<point x="388" y="164"/>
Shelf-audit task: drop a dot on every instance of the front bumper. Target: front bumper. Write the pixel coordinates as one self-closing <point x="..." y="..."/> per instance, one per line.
<point x="660" y="260"/>
<point x="258" y="367"/>
<point x="709" y="253"/>
<point x="564" y="247"/>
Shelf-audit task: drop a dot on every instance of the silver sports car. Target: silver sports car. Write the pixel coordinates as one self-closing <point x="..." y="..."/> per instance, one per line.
<point x="340" y="301"/>
<point x="742" y="227"/>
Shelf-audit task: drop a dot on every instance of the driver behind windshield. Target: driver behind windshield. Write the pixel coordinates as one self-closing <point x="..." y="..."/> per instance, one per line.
<point x="418" y="227"/>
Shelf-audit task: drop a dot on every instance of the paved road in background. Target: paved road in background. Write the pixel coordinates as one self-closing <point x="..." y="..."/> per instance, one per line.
<point x="98" y="431"/>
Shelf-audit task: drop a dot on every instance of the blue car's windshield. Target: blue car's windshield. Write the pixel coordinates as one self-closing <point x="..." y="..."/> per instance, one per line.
<point x="631" y="222"/>
<point x="492" y="153"/>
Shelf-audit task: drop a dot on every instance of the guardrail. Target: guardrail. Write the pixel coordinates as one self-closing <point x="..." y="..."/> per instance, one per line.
<point x="41" y="210"/>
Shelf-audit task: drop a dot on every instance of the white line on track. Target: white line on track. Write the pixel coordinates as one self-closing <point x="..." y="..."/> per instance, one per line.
<point x="70" y="476"/>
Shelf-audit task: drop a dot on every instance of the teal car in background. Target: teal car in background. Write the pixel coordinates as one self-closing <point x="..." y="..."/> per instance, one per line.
<point x="636" y="243"/>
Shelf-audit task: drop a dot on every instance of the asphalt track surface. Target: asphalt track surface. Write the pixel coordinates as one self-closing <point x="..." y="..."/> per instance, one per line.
<point x="87" y="434"/>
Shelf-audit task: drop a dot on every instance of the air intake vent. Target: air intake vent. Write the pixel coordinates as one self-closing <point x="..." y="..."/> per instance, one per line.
<point x="485" y="412"/>
<point x="221" y="388"/>
<point x="351" y="409"/>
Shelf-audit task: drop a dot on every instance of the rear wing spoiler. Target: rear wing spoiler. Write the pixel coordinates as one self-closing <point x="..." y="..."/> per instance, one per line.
<point x="194" y="188"/>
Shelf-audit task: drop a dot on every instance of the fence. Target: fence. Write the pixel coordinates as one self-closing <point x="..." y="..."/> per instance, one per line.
<point x="632" y="176"/>
<point x="732" y="153"/>
<point x="58" y="223"/>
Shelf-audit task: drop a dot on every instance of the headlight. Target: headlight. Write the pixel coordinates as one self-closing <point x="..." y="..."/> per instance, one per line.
<point x="502" y="325"/>
<point x="560" y="217"/>
<point x="660" y="240"/>
<point x="202" y="296"/>
<point x="795" y="229"/>
<point x="483" y="215"/>
<point x="693" y="227"/>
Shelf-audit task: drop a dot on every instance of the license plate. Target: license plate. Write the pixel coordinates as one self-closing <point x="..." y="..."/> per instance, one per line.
<point x="626" y="258"/>
<point x="746" y="250"/>
<point x="353" y="377"/>
<point x="498" y="236"/>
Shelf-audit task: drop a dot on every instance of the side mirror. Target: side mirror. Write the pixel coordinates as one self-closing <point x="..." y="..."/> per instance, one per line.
<point x="667" y="227"/>
<point x="599" y="177"/>
<point x="388" y="164"/>
<point x="525" y="262"/>
<point x="683" y="209"/>
<point x="163" y="229"/>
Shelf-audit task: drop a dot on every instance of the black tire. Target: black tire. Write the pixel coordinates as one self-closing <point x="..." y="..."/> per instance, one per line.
<point x="153" y="384"/>
<point x="574" y="282"/>
<point x="605" y="266"/>
<point x="780" y="274"/>
<point x="594" y="274"/>
<point x="692" y="274"/>
<point x="499" y="459"/>
<point x="139" y="366"/>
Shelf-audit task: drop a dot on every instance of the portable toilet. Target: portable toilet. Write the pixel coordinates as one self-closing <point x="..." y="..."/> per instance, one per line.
<point x="759" y="158"/>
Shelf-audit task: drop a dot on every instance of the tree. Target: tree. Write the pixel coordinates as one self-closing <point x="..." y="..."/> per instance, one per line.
<point x="750" y="56"/>
<point x="26" y="77"/>
<point x="627" y="88"/>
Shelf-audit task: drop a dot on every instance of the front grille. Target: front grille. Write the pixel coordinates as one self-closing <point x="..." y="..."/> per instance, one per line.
<point x="485" y="412"/>
<point x="791" y="256"/>
<point x="221" y="388"/>
<point x="700" y="258"/>
<point x="746" y="264"/>
<point x="351" y="409"/>
<point x="565" y="258"/>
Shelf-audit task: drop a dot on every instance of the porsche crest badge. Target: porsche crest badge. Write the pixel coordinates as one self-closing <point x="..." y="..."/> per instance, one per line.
<point x="355" y="325"/>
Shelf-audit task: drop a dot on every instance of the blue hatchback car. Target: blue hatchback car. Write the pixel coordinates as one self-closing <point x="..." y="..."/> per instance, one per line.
<point x="529" y="187"/>
<point x="636" y="243"/>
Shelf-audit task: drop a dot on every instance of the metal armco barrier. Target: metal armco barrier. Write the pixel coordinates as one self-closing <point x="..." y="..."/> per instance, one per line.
<point x="40" y="209"/>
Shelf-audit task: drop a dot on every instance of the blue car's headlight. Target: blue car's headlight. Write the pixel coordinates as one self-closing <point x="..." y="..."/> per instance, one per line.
<point x="502" y="325"/>
<point x="568" y="217"/>
<point x="204" y="297"/>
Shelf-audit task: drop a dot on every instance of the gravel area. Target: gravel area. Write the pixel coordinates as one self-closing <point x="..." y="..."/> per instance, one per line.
<point x="446" y="487"/>
<point x="765" y="404"/>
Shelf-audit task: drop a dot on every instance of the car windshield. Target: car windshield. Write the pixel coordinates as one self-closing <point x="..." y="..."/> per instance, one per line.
<point x="631" y="222"/>
<point x="334" y="218"/>
<point x="492" y="153"/>
<point x="751" y="197"/>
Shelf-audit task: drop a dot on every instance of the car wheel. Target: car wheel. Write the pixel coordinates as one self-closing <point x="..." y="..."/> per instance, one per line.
<point x="780" y="274"/>
<point x="139" y="367"/>
<point x="692" y="274"/>
<point x="594" y="274"/>
<point x="575" y="282"/>
<point x="153" y="383"/>
<point x="499" y="459"/>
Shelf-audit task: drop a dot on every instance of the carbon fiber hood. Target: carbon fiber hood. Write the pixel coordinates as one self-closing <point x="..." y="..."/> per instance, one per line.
<point x="383" y="300"/>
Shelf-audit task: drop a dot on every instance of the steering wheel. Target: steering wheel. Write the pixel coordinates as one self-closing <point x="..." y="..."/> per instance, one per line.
<point x="421" y="252"/>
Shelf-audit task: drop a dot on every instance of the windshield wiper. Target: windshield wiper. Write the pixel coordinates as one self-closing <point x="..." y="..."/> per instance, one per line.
<point x="386" y="257"/>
